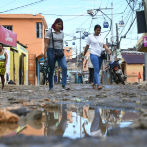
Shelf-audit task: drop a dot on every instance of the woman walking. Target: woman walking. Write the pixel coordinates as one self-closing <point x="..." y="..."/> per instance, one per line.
<point x="97" y="43"/>
<point x="3" y="62"/>
<point x="54" y="48"/>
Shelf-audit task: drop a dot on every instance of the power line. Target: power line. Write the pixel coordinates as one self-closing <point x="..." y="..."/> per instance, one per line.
<point x="79" y="15"/>
<point x="74" y="18"/>
<point x="23" y="6"/>
<point x="7" y="4"/>
<point x="79" y="26"/>
<point x="90" y="25"/>
<point x="129" y="5"/>
<point x="63" y="15"/>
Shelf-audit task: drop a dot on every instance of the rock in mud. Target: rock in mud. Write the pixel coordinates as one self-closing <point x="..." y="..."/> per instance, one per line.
<point x="20" y="112"/>
<point x="8" y="117"/>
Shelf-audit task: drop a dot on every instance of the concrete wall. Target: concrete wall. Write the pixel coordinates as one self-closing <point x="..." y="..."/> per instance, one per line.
<point x="26" y="32"/>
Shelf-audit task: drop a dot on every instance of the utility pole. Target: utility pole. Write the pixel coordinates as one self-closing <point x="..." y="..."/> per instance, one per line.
<point x="145" y="54"/>
<point x="112" y="33"/>
<point x="117" y="36"/>
<point x="77" y="64"/>
<point x="80" y="42"/>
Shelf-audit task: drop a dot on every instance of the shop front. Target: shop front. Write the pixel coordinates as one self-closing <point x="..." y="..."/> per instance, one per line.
<point x="8" y="39"/>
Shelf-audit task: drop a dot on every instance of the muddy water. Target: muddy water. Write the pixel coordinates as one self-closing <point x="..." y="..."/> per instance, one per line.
<point x="75" y="122"/>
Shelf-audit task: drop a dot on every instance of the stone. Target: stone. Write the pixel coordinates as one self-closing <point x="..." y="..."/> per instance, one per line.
<point x="46" y="99"/>
<point x="138" y="102"/>
<point x="20" y="112"/>
<point x="8" y="117"/>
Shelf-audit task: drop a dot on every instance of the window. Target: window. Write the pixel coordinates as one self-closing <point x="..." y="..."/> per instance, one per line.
<point x="9" y="27"/>
<point x="39" y="30"/>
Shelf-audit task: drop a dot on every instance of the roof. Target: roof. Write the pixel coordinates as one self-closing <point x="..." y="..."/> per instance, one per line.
<point x="22" y="45"/>
<point x="24" y="16"/>
<point x="133" y="58"/>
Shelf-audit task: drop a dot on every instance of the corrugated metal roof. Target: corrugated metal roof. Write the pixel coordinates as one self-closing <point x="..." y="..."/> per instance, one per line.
<point x="133" y="58"/>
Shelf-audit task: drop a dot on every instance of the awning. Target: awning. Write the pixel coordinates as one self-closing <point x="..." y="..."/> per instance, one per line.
<point x="7" y="37"/>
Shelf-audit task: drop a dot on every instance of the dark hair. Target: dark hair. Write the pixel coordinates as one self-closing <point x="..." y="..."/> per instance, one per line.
<point x="97" y="26"/>
<point x="1" y="44"/>
<point x="57" y="21"/>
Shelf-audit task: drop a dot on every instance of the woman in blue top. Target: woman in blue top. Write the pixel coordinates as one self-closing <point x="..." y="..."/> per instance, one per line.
<point x="97" y="43"/>
<point x="52" y="47"/>
<point x="3" y="62"/>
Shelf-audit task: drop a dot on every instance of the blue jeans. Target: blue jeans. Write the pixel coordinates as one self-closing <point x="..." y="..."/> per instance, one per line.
<point x="51" y="61"/>
<point x="97" y="62"/>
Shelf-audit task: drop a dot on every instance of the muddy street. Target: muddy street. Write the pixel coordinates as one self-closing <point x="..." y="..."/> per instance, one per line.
<point x="75" y="117"/>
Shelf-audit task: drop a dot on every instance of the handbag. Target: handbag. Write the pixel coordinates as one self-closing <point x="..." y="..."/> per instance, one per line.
<point x="103" y="55"/>
<point x="58" y="54"/>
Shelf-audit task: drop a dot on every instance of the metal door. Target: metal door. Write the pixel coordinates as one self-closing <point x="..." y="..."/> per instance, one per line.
<point x="11" y="66"/>
<point x="16" y="67"/>
<point x="32" y="69"/>
<point x="25" y="70"/>
<point x="22" y="70"/>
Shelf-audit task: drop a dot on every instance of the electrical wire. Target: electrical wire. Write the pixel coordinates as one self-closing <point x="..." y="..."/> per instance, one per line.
<point x="126" y="22"/>
<point x="7" y="4"/>
<point x="129" y="5"/>
<point x="79" y="26"/>
<point x="64" y="15"/>
<point x="128" y="29"/>
<point x="24" y="6"/>
<point x="73" y="18"/>
<point x="90" y="26"/>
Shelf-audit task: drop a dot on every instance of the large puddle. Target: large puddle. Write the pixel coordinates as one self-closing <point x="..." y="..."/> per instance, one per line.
<point x="74" y="122"/>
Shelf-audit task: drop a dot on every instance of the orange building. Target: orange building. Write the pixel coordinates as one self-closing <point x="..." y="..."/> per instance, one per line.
<point x="132" y="64"/>
<point x="68" y="52"/>
<point x="86" y="69"/>
<point x="30" y="31"/>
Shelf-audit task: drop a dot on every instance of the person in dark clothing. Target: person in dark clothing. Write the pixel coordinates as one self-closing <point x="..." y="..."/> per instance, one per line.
<point x="97" y="127"/>
<point x="91" y="69"/>
<point x="50" y="125"/>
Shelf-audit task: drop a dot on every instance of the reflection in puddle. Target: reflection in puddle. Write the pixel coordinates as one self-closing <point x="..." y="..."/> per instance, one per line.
<point x="78" y="122"/>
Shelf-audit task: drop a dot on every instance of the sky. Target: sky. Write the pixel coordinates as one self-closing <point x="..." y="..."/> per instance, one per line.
<point x="78" y="18"/>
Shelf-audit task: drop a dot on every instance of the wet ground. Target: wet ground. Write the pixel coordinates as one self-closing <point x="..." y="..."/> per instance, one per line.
<point x="115" y="113"/>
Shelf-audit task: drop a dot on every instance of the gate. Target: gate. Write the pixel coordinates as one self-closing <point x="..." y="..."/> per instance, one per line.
<point x="32" y="69"/>
<point x="14" y="66"/>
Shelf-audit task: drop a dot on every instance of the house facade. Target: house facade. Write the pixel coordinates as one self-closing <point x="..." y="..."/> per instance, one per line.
<point x="132" y="64"/>
<point x="30" y="30"/>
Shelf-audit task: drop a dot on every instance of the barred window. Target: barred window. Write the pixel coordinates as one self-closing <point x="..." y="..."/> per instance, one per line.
<point x="9" y="27"/>
<point x="39" y="30"/>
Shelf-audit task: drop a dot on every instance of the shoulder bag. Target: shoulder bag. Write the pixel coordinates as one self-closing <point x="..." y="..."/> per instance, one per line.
<point x="58" y="54"/>
<point x="103" y="55"/>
